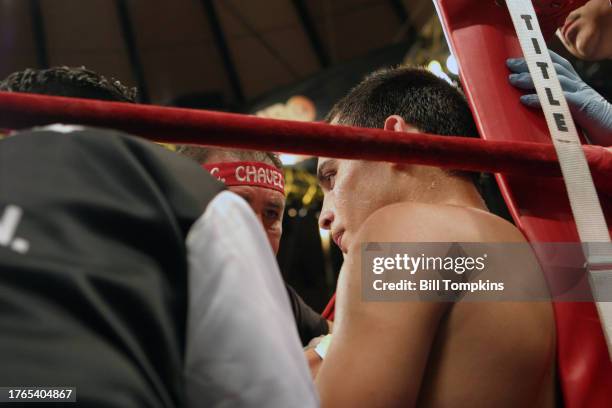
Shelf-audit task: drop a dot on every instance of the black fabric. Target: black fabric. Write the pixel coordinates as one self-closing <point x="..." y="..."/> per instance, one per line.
<point x="99" y="299"/>
<point x="309" y="323"/>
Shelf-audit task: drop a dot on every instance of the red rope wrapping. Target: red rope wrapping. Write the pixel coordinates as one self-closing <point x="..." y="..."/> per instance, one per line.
<point x="330" y="310"/>
<point x="174" y="125"/>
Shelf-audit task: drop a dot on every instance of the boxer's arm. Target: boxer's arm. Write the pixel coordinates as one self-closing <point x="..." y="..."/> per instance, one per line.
<point x="379" y="352"/>
<point x="242" y="346"/>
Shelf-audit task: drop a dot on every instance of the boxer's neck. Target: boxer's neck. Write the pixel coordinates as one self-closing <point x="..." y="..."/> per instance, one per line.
<point x="446" y="190"/>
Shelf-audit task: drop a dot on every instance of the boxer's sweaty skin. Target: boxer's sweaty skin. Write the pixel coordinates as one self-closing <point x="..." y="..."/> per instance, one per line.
<point x="468" y="354"/>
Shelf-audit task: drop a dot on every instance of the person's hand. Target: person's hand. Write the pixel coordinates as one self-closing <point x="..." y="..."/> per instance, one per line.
<point x="589" y="109"/>
<point x="587" y="31"/>
<point x="312" y="357"/>
<point x="314" y="361"/>
<point x="314" y="342"/>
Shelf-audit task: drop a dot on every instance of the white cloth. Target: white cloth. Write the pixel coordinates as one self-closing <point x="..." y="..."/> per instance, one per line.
<point x="243" y="349"/>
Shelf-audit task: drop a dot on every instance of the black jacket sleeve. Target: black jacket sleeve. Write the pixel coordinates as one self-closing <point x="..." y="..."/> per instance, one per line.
<point x="310" y="324"/>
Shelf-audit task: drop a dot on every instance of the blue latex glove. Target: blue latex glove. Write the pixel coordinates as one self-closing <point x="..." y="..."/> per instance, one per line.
<point x="589" y="109"/>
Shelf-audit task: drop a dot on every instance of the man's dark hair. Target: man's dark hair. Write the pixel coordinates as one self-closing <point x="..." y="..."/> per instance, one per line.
<point x="76" y="82"/>
<point x="203" y="154"/>
<point x="418" y="96"/>
<point x="422" y="99"/>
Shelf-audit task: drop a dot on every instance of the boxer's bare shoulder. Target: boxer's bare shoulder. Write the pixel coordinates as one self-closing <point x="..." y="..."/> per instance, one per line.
<point x="437" y="353"/>
<point x="418" y="222"/>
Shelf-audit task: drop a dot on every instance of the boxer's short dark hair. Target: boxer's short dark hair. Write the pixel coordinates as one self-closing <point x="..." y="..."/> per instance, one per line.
<point x="422" y="99"/>
<point x="76" y="82"/>
<point x="418" y="96"/>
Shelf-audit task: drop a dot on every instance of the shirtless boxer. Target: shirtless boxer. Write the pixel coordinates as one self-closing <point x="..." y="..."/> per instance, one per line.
<point x="392" y="354"/>
<point x="267" y="199"/>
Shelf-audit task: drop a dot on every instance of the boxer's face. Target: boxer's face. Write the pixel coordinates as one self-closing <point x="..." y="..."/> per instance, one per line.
<point x="269" y="206"/>
<point x="587" y="32"/>
<point x="353" y="189"/>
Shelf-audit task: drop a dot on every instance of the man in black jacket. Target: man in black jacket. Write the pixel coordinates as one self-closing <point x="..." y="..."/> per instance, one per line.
<point x="122" y="273"/>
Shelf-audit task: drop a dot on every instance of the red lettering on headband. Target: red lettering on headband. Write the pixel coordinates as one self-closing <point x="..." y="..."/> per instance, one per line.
<point x="256" y="174"/>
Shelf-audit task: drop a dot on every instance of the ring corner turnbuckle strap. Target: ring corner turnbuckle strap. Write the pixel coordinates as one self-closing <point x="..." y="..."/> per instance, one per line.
<point x="584" y="202"/>
<point x="599" y="267"/>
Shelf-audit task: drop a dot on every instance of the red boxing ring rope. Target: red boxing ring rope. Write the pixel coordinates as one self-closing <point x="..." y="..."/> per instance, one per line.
<point x="188" y="126"/>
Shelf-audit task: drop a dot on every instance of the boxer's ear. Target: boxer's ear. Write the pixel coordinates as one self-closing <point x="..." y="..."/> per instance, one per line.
<point x="396" y="123"/>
